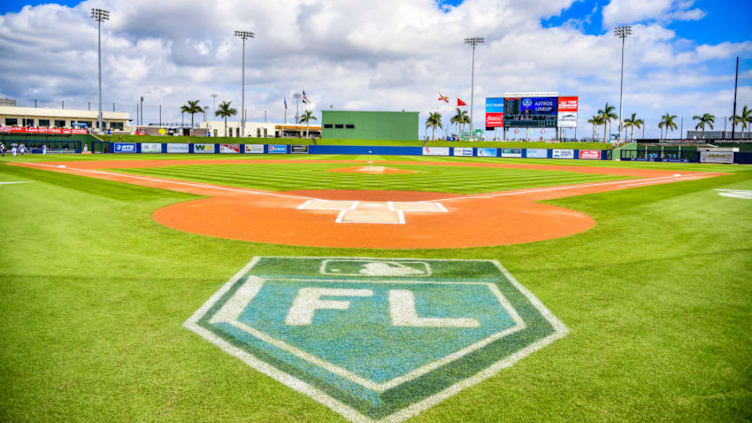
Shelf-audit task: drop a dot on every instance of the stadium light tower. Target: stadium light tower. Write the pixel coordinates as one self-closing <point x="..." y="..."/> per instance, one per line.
<point x="474" y="41"/>
<point x="622" y="32"/>
<point x="244" y="35"/>
<point x="100" y="15"/>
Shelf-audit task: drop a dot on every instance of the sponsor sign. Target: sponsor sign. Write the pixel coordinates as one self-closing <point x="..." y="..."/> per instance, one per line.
<point x="125" y="147"/>
<point x="487" y="152"/>
<point x="563" y="154"/>
<point x="151" y="147"/>
<point x="435" y="151"/>
<point x="229" y="148"/>
<point x="376" y="339"/>
<point x="46" y="131"/>
<point x="590" y="154"/>
<point x="536" y="153"/>
<point x="463" y="151"/>
<point x="174" y="147"/>
<point x="494" y="112"/>
<point x="277" y="149"/>
<point x="716" y="156"/>
<point x="203" y="148"/>
<point x="254" y="148"/>
<point x="511" y="152"/>
<point x="299" y="149"/>
<point x="567" y="116"/>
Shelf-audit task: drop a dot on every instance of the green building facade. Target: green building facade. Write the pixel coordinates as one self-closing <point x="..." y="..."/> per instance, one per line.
<point x="339" y="124"/>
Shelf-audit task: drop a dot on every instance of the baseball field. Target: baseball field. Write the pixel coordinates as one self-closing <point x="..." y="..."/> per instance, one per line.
<point x="369" y="288"/>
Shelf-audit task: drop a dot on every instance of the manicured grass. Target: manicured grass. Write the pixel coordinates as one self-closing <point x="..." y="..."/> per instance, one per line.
<point x="334" y="141"/>
<point x="656" y="297"/>
<point x="288" y="177"/>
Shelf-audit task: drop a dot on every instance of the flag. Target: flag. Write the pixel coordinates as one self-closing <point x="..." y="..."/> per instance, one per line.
<point x="443" y="98"/>
<point x="460" y="103"/>
<point x="285" y="103"/>
<point x="305" y="98"/>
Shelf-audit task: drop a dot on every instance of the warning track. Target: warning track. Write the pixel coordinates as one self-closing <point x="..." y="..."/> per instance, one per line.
<point x="476" y="220"/>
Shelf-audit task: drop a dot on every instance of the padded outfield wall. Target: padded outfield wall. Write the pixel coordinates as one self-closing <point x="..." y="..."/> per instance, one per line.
<point x="369" y="125"/>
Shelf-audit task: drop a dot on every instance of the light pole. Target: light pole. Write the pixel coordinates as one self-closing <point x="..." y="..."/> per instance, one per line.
<point x="244" y="35"/>
<point x="474" y="41"/>
<point x="622" y="32"/>
<point x="100" y="15"/>
<point x="297" y="97"/>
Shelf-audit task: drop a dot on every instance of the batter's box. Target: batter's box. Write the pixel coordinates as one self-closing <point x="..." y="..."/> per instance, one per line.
<point x="373" y="212"/>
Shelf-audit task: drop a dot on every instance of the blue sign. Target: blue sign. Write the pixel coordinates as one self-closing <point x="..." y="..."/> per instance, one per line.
<point x="487" y="152"/>
<point x="495" y="105"/>
<point x="539" y="106"/>
<point x="277" y="149"/>
<point x="125" y="147"/>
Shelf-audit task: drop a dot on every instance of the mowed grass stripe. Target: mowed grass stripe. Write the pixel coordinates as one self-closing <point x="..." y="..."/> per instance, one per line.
<point x="296" y="176"/>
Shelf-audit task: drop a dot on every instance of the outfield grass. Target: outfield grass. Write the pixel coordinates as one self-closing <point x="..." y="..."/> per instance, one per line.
<point x="336" y="141"/>
<point x="656" y="297"/>
<point x="289" y="177"/>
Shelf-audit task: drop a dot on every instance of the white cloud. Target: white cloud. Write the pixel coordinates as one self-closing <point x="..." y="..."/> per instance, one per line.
<point x="631" y="11"/>
<point x="386" y="55"/>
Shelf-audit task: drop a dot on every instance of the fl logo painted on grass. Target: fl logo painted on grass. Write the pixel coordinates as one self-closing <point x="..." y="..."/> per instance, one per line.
<point x="376" y="339"/>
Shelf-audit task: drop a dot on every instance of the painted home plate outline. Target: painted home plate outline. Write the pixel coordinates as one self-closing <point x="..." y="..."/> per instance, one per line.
<point x="383" y="212"/>
<point x="244" y="318"/>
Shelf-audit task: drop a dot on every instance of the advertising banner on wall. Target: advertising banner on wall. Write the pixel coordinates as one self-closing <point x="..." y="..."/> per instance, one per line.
<point x="177" y="147"/>
<point x="563" y="154"/>
<point x="229" y="148"/>
<point x="203" y="148"/>
<point x="463" y="151"/>
<point x="254" y="148"/>
<point x="125" y="147"/>
<point x="567" y="116"/>
<point x="151" y="147"/>
<point x="486" y="152"/>
<point x="277" y="149"/>
<point x="511" y="152"/>
<point x="494" y="112"/>
<point x="590" y="154"/>
<point x="536" y="153"/>
<point x="299" y="149"/>
<point x="435" y="151"/>
<point x="716" y="157"/>
<point x="46" y="131"/>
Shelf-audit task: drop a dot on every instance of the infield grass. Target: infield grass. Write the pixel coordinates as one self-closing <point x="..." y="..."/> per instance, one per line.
<point x="657" y="298"/>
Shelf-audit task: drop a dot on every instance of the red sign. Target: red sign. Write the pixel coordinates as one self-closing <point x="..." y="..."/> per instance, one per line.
<point x="494" y="120"/>
<point x="567" y="104"/>
<point x="43" y="131"/>
<point x="590" y="154"/>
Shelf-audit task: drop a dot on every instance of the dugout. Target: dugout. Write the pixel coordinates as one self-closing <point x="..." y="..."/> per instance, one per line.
<point x="56" y="144"/>
<point x="660" y="153"/>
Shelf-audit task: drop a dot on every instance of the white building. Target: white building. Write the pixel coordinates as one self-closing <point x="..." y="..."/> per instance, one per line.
<point x="252" y="129"/>
<point x="32" y="117"/>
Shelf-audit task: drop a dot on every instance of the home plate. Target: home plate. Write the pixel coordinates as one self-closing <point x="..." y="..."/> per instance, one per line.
<point x="62" y="166"/>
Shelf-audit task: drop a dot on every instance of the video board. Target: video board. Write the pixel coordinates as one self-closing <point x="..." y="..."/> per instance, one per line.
<point x="530" y="112"/>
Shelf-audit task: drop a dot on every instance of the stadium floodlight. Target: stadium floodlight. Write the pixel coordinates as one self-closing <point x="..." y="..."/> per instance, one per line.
<point x="100" y="15"/>
<point x="622" y="32"/>
<point x="243" y="35"/>
<point x="473" y="41"/>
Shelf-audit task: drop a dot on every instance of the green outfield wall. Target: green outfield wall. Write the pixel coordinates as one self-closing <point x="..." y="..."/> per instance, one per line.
<point x="369" y="125"/>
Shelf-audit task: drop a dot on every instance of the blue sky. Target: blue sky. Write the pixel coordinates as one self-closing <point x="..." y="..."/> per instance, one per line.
<point x="386" y="55"/>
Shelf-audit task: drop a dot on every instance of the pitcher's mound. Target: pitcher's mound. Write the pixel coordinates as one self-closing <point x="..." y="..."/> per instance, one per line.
<point x="376" y="170"/>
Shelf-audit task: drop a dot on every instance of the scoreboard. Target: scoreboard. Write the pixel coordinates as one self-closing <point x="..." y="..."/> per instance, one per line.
<point x="530" y="112"/>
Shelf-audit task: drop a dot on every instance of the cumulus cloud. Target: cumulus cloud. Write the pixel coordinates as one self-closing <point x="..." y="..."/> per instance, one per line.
<point x="386" y="55"/>
<point x="629" y="11"/>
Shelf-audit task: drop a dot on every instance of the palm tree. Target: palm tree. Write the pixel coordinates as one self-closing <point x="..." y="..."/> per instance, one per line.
<point x="743" y="118"/>
<point x="596" y="121"/>
<point x="633" y="122"/>
<point x="460" y="119"/>
<point x="306" y="117"/>
<point x="705" y="119"/>
<point x="607" y="113"/>
<point x="224" y="110"/>
<point x="667" y="121"/>
<point x="433" y="121"/>
<point x="192" y="108"/>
